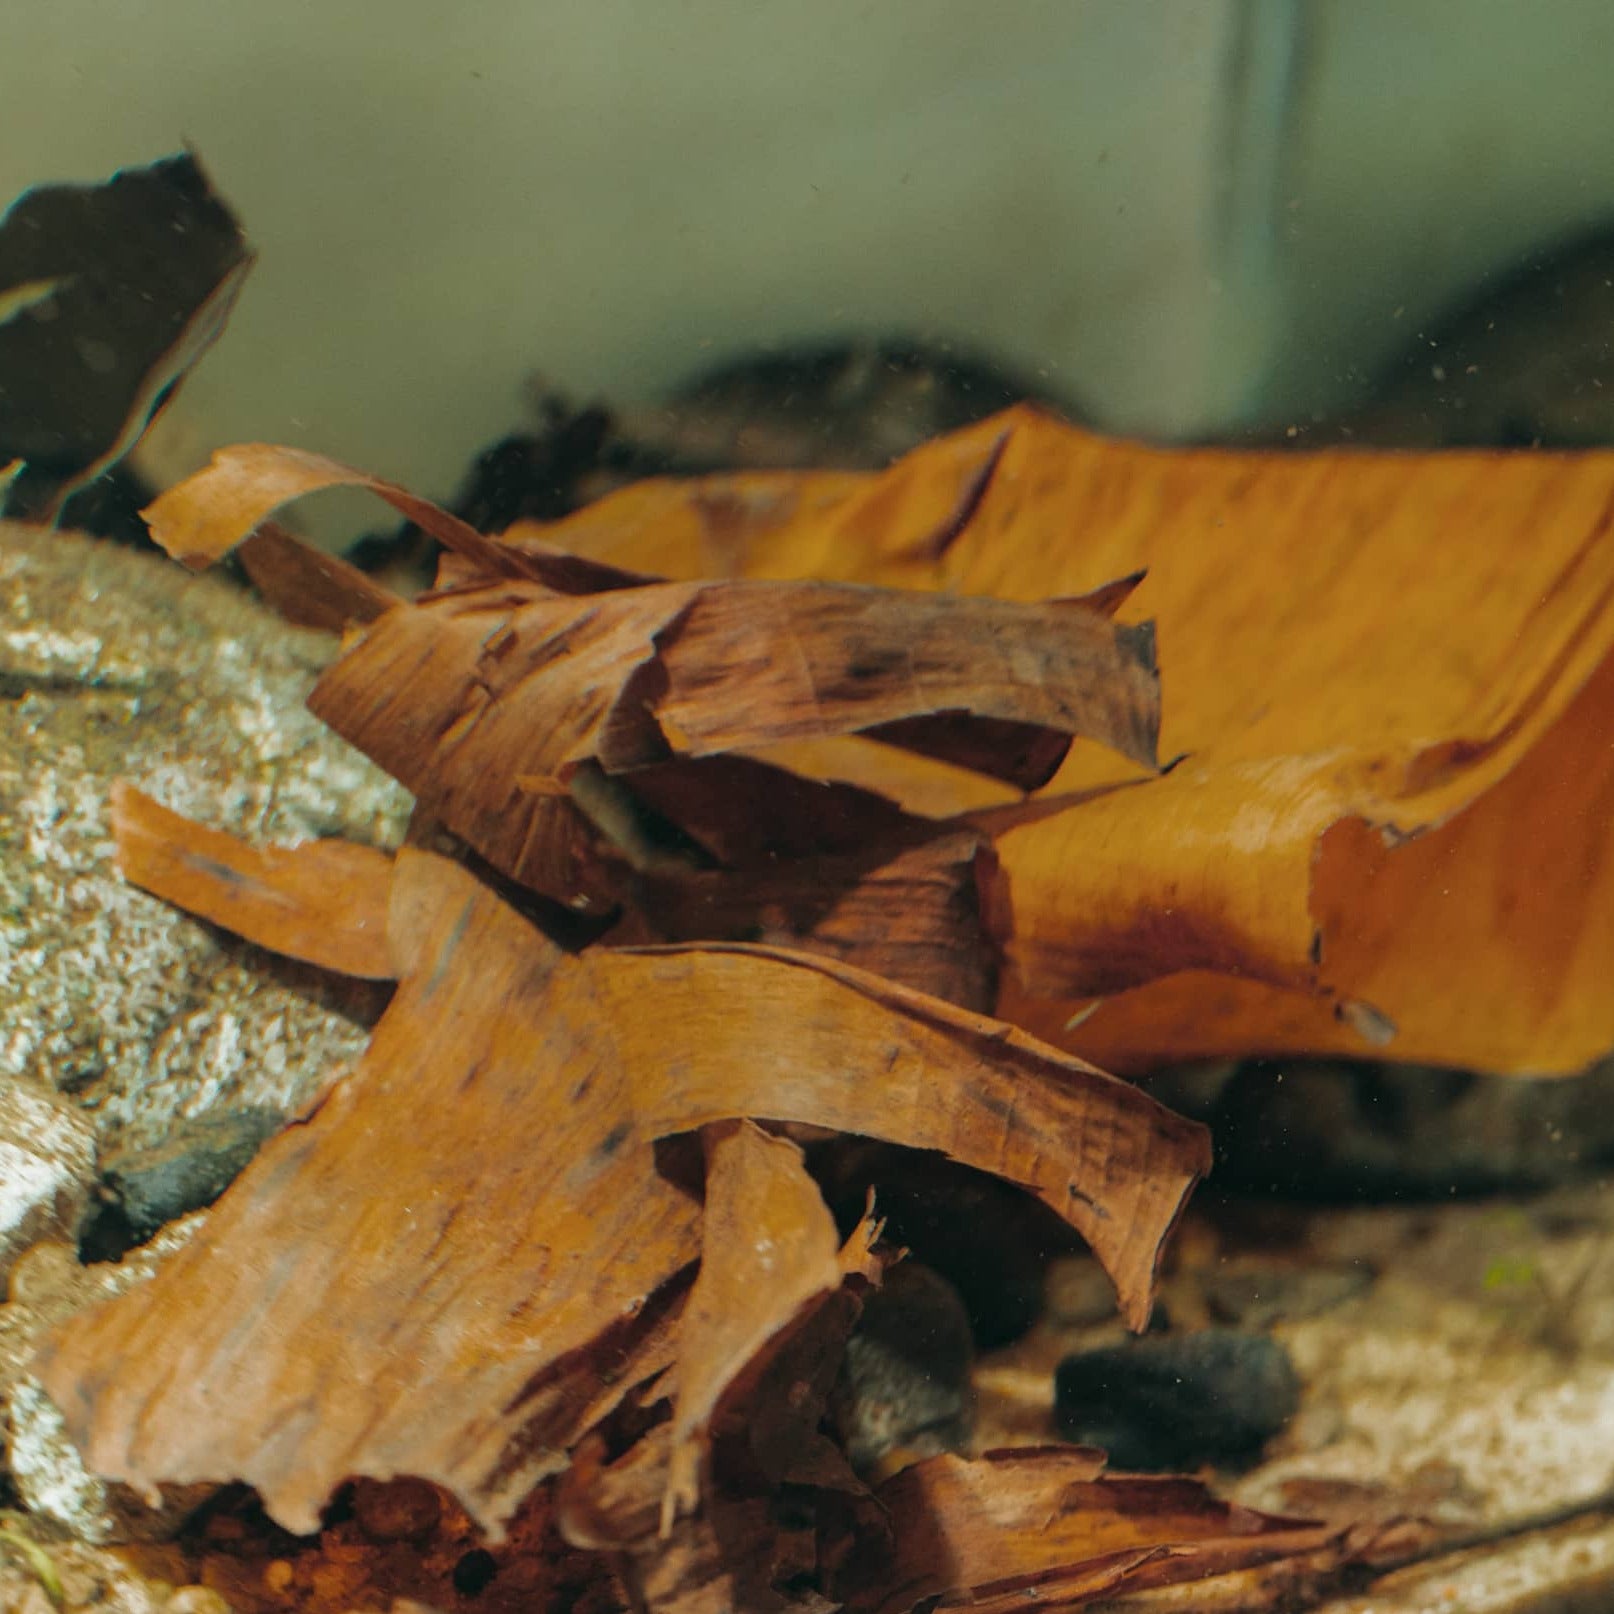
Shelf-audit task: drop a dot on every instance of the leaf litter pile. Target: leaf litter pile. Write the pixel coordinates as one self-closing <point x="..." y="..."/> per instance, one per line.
<point x="745" y="818"/>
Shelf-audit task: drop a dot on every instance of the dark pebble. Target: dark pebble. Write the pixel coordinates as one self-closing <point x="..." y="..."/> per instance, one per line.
<point x="904" y="1387"/>
<point x="1178" y="1401"/>
<point x="141" y="1188"/>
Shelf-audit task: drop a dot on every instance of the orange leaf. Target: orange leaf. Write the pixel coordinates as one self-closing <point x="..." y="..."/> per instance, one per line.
<point x="1495" y="919"/>
<point x="637" y="676"/>
<point x="1389" y="673"/>
<point x="487" y="701"/>
<point x="207" y="515"/>
<point x="324" y="902"/>
<point x="792" y="1037"/>
<point x="709" y="527"/>
<point x="506" y="708"/>
<point x="431" y="1275"/>
<point x="474" y="1219"/>
<point x="768" y="1251"/>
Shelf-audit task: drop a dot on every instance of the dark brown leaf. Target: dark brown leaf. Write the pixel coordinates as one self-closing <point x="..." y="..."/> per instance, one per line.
<point x="309" y="587"/>
<point x="910" y="914"/>
<point x="488" y="703"/>
<point x="1042" y="1528"/>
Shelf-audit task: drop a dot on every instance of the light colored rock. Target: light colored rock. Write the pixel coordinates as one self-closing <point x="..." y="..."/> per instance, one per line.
<point x="47" y="1470"/>
<point x="47" y="1162"/>
<point x="1460" y="1396"/>
<point x="1475" y="1379"/>
<point x="117" y="665"/>
<point x="1564" y="1569"/>
<point x="120" y="1016"/>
